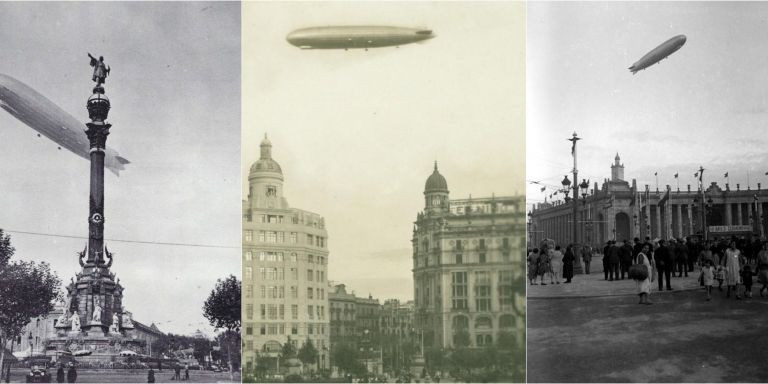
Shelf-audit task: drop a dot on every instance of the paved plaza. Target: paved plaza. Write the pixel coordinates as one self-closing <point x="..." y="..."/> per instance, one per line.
<point x="594" y="331"/>
<point x="18" y="375"/>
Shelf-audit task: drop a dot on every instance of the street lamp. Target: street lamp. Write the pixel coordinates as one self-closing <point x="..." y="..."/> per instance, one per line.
<point x="566" y="187"/>
<point x="31" y="345"/>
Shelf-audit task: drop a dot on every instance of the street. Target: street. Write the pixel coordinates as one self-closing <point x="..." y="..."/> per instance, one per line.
<point x="131" y="376"/>
<point x="680" y="338"/>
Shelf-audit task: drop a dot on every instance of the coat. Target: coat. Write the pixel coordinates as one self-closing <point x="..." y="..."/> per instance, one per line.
<point x="71" y="375"/>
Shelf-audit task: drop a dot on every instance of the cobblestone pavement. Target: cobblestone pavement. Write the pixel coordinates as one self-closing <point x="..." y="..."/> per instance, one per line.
<point x="18" y="375"/>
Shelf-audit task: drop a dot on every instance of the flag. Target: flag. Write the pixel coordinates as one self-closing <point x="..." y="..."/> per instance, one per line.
<point x="675" y="175"/>
<point x="696" y="174"/>
<point x="655" y="173"/>
<point x="726" y="174"/>
<point x="543" y="188"/>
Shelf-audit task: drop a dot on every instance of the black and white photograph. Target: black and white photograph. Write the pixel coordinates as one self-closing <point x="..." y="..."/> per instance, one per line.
<point x="119" y="192"/>
<point x="383" y="158"/>
<point x="646" y="191"/>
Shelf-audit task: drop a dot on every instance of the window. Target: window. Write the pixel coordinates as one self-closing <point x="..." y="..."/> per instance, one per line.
<point x="263" y="292"/>
<point x="272" y="329"/>
<point x="281" y="329"/>
<point x="248" y="291"/>
<point x="309" y="275"/>
<point x="249" y="346"/>
<point x="261" y="236"/>
<point x="294" y="274"/>
<point x="310" y="239"/>
<point x="249" y="311"/>
<point x="281" y="237"/>
<point x="505" y="290"/>
<point x="483" y="340"/>
<point x="482" y="258"/>
<point x="263" y="308"/>
<point x="282" y="312"/>
<point x="505" y="257"/>
<point x="319" y="312"/>
<point x="310" y="328"/>
<point x="263" y="218"/>
<point x="310" y="259"/>
<point x="482" y="291"/>
<point x="271" y="237"/>
<point x="459" y="290"/>
<point x="271" y="190"/>
<point x="294" y="311"/>
<point x="458" y="258"/>
<point x="249" y="273"/>
<point x="482" y="244"/>
<point x="249" y="330"/>
<point x="263" y="329"/>
<point x="294" y="292"/>
<point x="248" y="235"/>
<point x="317" y="274"/>
<point x="310" y="312"/>
<point x="294" y="236"/>
<point x="309" y="293"/>
<point x="505" y="242"/>
<point x="294" y="329"/>
<point x="272" y="311"/>
<point x="249" y="256"/>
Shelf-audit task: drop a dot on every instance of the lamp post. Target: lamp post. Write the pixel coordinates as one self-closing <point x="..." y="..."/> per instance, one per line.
<point x="31" y="345"/>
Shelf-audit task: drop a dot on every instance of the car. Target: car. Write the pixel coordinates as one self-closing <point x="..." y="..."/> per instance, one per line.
<point x="38" y="374"/>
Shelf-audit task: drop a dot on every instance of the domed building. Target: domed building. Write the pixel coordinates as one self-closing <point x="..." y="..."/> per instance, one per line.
<point x="468" y="267"/>
<point x="285" y="259"/>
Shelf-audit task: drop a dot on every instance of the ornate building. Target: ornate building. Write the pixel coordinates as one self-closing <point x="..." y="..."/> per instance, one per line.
<point x="618" y="210"/>
<point x="285" y="258"/>
<point x="468" y="267"/>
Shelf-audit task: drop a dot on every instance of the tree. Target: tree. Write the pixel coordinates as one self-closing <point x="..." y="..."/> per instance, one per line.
<point x="222" y="309"/>
<point x="308" y="353"/>
<point x="288" y="351"/>
<point x="345" y="358"/>
<point x="27" y="290"/>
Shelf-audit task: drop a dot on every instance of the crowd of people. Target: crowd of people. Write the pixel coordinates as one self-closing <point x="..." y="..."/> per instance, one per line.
<point x="731" y="262"/>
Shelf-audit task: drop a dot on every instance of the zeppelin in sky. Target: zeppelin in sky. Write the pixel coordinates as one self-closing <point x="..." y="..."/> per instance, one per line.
<point x="349" y="37"/>
<point x="659" y="53"/>
<point x="45" y="117"/>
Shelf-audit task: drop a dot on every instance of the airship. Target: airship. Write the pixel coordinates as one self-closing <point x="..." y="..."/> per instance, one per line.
<point x="350" y="37"/>
<point x="48" y="119"/>
<point x="659" y="53"/>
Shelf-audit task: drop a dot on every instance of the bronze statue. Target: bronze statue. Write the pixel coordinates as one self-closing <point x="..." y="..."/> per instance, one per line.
<point x="100" y="70"/>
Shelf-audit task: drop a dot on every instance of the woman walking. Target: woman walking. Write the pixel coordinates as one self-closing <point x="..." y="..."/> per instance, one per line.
<point x="732" y="269"/>
<point x="533" y="266"/>
<point x="555" y="265"/>
<point x="643" y="285"/>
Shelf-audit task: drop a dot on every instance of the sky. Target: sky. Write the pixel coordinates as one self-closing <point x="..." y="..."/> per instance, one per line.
<point x="705" y="105"/>
<point x="175" y="92"/>
<point x="357" y="132"/>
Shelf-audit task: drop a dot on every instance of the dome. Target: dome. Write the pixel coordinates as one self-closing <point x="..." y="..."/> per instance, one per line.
<point x="266" y="164"/>
<point x="436" y="182"/>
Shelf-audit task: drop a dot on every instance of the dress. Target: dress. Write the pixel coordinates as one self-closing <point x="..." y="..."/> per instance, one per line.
<point x="568" y="260"/>
<point x="732" y="267"/>
<point x="762" y="267"/>
<point x="533" y="265"/>
<point x="708" y="275"/>
<point x="556" y="262"/>
<point x="644" y="286"/>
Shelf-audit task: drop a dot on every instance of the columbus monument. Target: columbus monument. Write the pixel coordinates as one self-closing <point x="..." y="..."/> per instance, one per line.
<point x="94" y="325"/>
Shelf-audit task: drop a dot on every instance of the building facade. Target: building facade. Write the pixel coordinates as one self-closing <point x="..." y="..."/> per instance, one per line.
<point x="285" y="259"/>
<point x="355" y="322"/>
<point x="618" y="210"/>
<point x="468" y="267"/>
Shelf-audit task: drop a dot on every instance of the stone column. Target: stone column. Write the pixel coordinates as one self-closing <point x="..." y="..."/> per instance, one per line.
<point x="679" y="220"/>
<point x="728" y="213"/>
<point x="689" y="207"/>
<point x="738" y="214"/>
<point x="658" y="220"/>
<point x="760" y="219"/>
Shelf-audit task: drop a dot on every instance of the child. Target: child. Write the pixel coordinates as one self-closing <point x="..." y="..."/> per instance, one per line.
<point x="720" y="276"/>
<point x="708" y="276"/>
<point x="746" y="278"/>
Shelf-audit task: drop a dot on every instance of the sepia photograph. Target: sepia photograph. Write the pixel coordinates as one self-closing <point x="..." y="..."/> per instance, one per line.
<point x="119" y="190"/>
<point x="383" y="152"/>
<point x="645" y="181"/>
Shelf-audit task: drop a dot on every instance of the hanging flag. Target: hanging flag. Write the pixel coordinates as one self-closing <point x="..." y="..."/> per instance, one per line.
<point x="696" y="174"/>
<point x="675" y="175"/>
<point x="543" y="188"/>
<point x="655" y="173"/>
<point x="726" y="174"/>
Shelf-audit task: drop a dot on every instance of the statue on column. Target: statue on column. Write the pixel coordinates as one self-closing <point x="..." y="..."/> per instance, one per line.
<point x="100" y="70"/>
<point x="127" y="321"/>
<point x="75" y="320"/>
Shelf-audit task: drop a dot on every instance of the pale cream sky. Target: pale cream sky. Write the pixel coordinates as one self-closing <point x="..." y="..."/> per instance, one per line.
<point x="357" y="132"/>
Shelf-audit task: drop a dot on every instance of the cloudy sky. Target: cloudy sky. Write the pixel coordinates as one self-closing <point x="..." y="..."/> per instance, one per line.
<point x="357" y="132"/>
<point x="175" y="91"/>
<point x="705" y="105"/>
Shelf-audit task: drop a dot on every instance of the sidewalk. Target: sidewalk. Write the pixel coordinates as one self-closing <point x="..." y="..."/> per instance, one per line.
<point x="595" y="285"/>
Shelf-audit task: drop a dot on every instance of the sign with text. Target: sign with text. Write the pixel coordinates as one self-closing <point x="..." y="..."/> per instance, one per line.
<point x="730" y="228"/>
